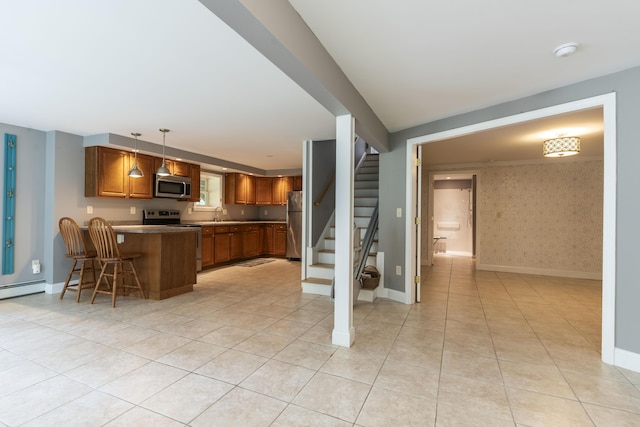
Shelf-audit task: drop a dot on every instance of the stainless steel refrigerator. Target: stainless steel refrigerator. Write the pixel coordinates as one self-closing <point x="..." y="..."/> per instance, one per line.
<point x="294" y="224"/>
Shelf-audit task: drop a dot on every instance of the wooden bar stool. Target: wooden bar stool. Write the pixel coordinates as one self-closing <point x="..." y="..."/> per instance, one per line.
<point x="78" y="252"/>
<point x="104" y="240"/>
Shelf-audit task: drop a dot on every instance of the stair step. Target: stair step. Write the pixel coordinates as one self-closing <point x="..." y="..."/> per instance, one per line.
<point x="323" y="265"/>
<point x="318" y="280"/>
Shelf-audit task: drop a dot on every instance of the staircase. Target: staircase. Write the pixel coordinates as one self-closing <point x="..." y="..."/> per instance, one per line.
<point x="320" y="269"/>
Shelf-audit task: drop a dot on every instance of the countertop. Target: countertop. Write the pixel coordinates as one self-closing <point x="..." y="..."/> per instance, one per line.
<point x="253" y="221"/>
<point x="139" y="228"/>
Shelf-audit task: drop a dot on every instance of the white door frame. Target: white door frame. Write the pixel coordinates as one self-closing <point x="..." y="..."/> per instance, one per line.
<point x="608" y="104"/>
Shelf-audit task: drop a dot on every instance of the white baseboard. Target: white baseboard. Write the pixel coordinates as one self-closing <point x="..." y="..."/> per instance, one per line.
<point x="540" y="271"/>
<point x="393" y="295"/>
<point x="56" y="288"/>
<point x="626" y="359"/>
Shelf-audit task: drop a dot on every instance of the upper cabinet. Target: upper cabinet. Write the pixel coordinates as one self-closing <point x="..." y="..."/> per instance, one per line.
<point x="245" y="189"/>
<point x="195" y="183"/>
<point x="263" y="191"/>
<point x="142" y="188"/>
<point x="297" y="183"/>
<point x="107" y="174"/>
<point x="240" y="189"/>
<point x="281" y="186"/>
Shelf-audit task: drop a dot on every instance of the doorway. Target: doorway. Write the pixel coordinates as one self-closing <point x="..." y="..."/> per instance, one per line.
<point x="451" y="210"/>
<point x="607" y="103"/>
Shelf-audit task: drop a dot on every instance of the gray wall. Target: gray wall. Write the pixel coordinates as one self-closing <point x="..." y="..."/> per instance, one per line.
<point x="626" y="84"/>
<point x="29" y="198"/>
<point x="324" y="168"/>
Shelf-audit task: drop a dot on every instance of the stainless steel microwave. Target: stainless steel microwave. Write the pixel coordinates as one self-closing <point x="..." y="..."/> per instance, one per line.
<point x="172" y="187"/>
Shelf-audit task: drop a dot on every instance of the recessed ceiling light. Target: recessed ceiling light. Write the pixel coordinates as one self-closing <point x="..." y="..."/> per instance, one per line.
<point x="448" y="177"/>
<point x="269" y="155"/>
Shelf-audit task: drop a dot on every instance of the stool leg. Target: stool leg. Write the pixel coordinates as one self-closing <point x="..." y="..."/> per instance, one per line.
<point x="115" y="284"/>
<point x="95" y="290"/>
<point x="66" y="283"/>
<point x="135" y="276"/>
<point x="80" y="280"/>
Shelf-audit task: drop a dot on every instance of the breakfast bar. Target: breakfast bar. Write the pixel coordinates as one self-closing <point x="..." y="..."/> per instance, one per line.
<point x="167" y="266"/>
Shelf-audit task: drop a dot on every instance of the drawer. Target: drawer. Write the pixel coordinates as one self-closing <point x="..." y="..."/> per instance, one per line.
<point x="250" y="228"/>
<point x="207" y="230"/>
<point x="281" y="227"/>
<point x="235" y="228"/>
<point x="219" y="230"/>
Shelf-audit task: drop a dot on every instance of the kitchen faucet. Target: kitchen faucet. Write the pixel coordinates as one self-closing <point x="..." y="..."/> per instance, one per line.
<point x="217" y="211"/>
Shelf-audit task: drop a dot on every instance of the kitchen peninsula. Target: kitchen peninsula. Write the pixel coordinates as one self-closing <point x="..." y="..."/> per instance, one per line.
<point x="167" y="266"/>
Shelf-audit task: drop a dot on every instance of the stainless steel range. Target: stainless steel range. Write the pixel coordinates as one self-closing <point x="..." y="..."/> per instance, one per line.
<point x="172" y="217"/>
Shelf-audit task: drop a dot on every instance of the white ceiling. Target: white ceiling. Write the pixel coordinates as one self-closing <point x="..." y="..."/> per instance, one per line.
<point x="89" y="66"/>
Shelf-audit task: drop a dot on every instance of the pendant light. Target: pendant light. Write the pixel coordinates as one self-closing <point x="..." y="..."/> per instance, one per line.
<point x="163" y="170"/>
<point x="135" y="172"/>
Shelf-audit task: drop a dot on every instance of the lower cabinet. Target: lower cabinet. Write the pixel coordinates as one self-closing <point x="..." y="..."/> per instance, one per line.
<point x="280" y="240"/>
<point x="221" y="245"/>
<point x="226" y="243"/>
<point x="250" y="241"/>
<point x="235" y="242"/>
<point x="207" y="247"/>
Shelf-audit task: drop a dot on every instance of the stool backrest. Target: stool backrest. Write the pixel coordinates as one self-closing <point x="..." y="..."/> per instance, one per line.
<point x="104" y="238"/>
<point x="72" y="236"/>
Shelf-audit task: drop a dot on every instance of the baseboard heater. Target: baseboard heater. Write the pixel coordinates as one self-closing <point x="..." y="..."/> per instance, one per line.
<point x="21" y="289"/>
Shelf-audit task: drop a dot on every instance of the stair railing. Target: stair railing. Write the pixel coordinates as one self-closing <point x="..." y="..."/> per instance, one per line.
<point x="367" y="242"/>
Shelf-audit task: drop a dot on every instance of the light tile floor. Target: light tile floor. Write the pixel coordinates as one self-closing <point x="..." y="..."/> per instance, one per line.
<point x="247" y="348"/>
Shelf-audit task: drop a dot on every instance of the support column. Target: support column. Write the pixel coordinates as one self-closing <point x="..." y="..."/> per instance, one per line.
<point x="343" y="330"/>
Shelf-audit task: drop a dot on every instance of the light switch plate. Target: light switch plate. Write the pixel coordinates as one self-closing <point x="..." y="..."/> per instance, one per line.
<point x="398" y="270"/>
<point x="399" y="212"/>
<point x="132" y="210"/>
<point x="120" y="238"/>
<point x="89" y="209"/>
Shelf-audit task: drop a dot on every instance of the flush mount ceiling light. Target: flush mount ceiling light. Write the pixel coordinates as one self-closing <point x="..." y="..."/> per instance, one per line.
<point x="135" y="172"/>
<point x="163" y="170"/>
<point x="563" y="146"/>
<point x="566" y="49"/>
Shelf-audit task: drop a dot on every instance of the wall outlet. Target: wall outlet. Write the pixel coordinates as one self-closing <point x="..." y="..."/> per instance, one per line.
<point x="242" y="212"/>
<point x="398" y="270"/>
<point x="266" y="212"/>
<point x="89" y="209"/>
<point x="224" y="211"/>
<point x="132" y="210"/>
<point x="189" y="211"/>
<point x="35" y="266"/>
<point x="399" y="212"/>
<point x="120" y="238"/>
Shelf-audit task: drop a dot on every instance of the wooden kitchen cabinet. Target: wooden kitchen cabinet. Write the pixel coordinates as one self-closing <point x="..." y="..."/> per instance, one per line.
<point x="240" y="189"/>
<point x="250" y="241"/>
<point x="267" y="244"/>
<point x="264" y="190"/>
<point x="105" y="172"/>
<point x="281" y="186"/>
<point x="297" y="183"/>
<point x="195" y="183"/>
<point x="221" y="245"/>
<point x="141" y="188"/>
<point x="280" y="240"/>
<point x="235" y="242"/>
<point x="207" y="247"/>
<point x="181" y="169"/>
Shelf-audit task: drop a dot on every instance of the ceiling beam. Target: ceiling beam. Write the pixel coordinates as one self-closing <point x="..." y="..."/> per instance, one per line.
<point x="276" y="30"/>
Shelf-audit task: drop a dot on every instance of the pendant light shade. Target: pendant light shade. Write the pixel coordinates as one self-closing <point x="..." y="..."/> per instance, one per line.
<point x="135" y="172"/>
<point x="163" y="170"/>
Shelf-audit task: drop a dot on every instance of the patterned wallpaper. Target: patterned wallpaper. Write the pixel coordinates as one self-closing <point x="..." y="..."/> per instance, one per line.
<point x="545" y="216"/>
